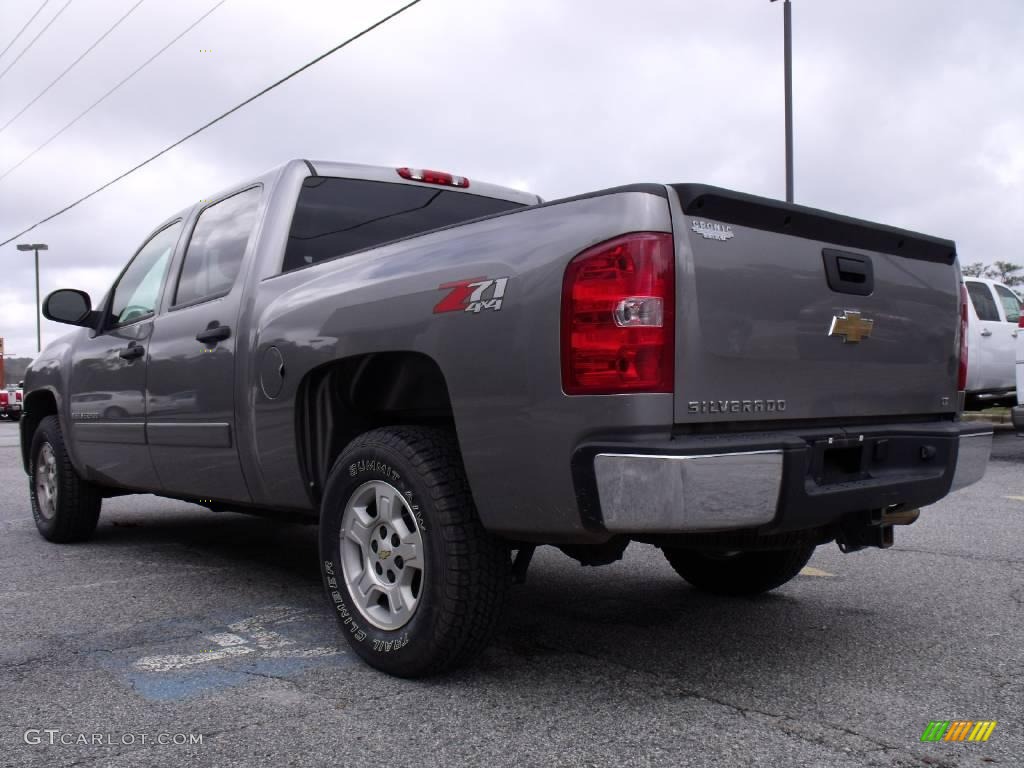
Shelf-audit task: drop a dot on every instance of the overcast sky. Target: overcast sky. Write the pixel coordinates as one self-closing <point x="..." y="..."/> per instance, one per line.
<point x="909" y="113"/>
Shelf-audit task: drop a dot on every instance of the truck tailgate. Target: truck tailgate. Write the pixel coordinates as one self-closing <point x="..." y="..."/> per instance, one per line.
<point x="787" y="312"/>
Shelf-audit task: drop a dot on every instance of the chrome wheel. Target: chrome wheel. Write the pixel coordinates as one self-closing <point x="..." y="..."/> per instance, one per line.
<point x="382" y="555"/>
<point x="46" y="482"/>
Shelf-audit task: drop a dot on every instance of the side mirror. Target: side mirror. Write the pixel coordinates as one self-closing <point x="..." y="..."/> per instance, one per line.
<point x="69" y="306"/>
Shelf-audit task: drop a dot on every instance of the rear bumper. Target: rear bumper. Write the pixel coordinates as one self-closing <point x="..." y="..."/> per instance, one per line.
<point x="773" y="482"/>
<point x="1017" y="417"/>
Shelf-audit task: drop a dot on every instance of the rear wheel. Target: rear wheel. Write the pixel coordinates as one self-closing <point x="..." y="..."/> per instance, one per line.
<point x="416" y="582"/>
<point x="739" y="573"/>
<point x="65" y="507"/>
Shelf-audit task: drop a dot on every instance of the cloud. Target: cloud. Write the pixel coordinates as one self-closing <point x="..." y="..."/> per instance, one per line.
<point x="905" y="113"/>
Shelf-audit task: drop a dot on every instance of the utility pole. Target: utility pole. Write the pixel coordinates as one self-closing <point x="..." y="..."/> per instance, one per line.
<point x="37" y="247"/>
<point x="787" y="23"/>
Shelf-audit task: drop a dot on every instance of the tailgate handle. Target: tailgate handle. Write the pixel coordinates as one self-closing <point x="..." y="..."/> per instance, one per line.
<point x="849" y="272"/>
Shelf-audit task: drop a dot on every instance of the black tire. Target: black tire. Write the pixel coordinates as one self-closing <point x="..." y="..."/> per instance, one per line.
<point x="466" y="571"/>
<point x="77" y="508"/>
<point x="14" y="416"/>
<point x="741" y="573"/>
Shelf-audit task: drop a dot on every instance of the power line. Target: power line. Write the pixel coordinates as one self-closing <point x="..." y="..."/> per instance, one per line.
<point x="202" y="128"/>
<point x="33" y="40"/>
<point x="73" y="65"/>
<point x="102" y="98"/>
<point x="20" y="31"/>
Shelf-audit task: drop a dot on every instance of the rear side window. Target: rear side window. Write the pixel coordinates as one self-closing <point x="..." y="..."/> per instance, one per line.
<point x="216" y="248"/>
<point x="338" y="216"/>
<point x="981" y="298"/>
<point x="1011" y="304"/>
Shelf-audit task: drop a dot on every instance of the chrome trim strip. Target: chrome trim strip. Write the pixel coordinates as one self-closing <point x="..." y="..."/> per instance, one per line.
<point x="671" y="494"/>
<point x="126" y="432"/>
<point x="205" y="434"/>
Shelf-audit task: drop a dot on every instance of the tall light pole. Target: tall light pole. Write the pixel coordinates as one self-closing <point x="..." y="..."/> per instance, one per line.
<point x="787" y="23"/>
<point x="37" y="247"/>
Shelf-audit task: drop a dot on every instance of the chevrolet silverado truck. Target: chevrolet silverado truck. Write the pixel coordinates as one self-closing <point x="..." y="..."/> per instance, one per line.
<point x="444" y="374"/>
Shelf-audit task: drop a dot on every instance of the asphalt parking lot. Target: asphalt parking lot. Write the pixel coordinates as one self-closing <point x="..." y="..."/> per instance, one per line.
<point x="177" y="622"/>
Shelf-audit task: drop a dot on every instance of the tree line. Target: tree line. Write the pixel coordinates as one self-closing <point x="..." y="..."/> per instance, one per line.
<point x="1003" y="271"/>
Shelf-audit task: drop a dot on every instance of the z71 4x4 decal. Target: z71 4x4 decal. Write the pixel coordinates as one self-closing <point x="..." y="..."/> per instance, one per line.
<point x="469" y="295"/>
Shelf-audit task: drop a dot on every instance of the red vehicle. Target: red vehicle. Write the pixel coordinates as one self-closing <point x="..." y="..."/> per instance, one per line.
<point x="10" y="403"/>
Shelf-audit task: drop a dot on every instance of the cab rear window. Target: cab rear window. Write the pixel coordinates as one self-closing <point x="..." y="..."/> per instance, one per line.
<point x="335" y="216"/>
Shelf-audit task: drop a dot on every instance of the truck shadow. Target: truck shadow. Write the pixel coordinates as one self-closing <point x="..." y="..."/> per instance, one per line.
<point x="636" y="615"/>
<point x="253" y="543"/>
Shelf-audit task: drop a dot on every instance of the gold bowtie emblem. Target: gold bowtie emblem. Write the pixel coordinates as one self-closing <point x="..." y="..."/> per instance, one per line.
<point x="851" y="326"/>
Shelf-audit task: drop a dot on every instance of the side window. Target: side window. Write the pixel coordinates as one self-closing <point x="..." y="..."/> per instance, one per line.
<point x="337" y="216"/>
<point x="135" y="294"/>
<point x="216" y="248"/>
<point x="981" y="298"/>
<point x="1011" y="304"/>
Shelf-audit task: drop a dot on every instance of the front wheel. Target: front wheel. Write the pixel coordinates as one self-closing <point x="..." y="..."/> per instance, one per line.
<point x="739" y="573"/>
<point x="65" y="507"/>
<point x="416" y="582"/>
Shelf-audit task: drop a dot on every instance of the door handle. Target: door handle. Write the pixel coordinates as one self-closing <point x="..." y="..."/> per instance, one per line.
<point x="132" y="352"/>
<point x="986" y="332"/>
<point x="1014" y="334"/>
<point x="214" y="334"/>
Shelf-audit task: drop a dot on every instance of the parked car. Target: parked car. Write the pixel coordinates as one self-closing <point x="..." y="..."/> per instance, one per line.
<point x="11" y="403"/>
<point x="992" y="323"/>
<point x="442" y="372"/>
<point x="1017" y="412"/>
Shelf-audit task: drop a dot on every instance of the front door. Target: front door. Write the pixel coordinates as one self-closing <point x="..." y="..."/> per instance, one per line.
<point x="984" y="350"/>
<point x="190" y="421"/>
<point x="108" y="373"/>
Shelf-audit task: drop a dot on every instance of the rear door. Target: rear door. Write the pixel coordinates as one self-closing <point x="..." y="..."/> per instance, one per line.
<point x="108" y="372"/>
<point x="1009" y="305"/>
<point x="990" y="356"/>
<point x="191" y="425"/>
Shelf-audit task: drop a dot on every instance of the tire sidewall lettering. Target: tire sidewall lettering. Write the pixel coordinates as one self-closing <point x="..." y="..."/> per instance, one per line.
<point x="376" y="469"/>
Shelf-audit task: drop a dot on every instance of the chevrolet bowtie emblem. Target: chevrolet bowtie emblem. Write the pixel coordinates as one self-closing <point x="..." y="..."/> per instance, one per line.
<point x="851" y="326"/>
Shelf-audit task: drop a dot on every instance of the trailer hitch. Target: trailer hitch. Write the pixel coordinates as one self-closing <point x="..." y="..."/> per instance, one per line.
<point x="873" y="528"/>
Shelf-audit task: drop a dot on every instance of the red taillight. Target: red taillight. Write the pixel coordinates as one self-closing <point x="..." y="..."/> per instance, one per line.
<point x="17" y="396"/>
<point x="433" y="177"/>
<point x="1020" y="320"/>
<point x="618" y="317"/>
<point x="3" y="398"/>
<point x="962" y="371"/>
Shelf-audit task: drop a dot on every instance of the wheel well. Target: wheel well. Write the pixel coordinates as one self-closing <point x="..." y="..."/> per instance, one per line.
<point x="343" y="399"/>
<point x="38" y="405"/>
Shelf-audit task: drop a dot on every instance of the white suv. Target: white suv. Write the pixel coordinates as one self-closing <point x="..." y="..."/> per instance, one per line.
<point x="993" y="316"/>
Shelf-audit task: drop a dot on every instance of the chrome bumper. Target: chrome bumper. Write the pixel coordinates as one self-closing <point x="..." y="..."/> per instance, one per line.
<point x="972" y="459"/>
<point x="642" y="493"/>
<point x="668" y="494"/>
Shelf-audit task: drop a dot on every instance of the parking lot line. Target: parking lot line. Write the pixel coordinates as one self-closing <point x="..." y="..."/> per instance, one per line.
<point x="809" y="571"/>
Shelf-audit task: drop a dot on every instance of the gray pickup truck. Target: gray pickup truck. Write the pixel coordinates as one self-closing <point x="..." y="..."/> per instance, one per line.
<point x="445" y="374"/>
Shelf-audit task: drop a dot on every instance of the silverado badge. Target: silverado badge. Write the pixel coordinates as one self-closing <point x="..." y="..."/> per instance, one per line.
<point x="851" y="326"/>
<point x="712" y="230"/>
